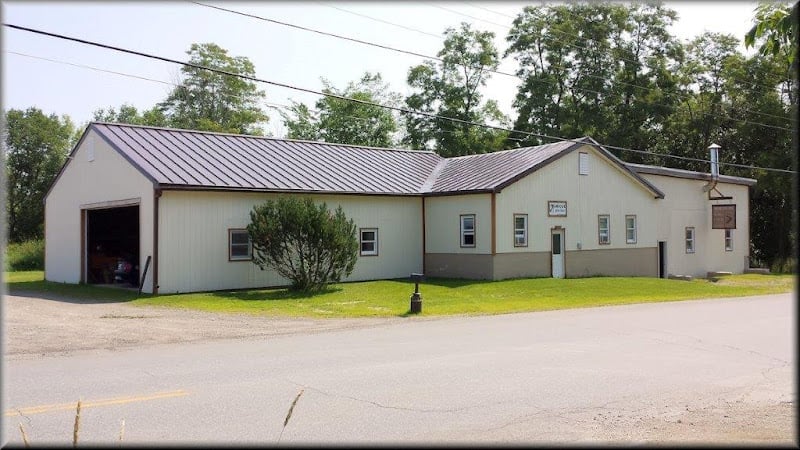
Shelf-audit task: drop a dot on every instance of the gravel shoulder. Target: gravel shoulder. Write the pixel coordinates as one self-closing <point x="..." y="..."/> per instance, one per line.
<point x="35" y="326"/>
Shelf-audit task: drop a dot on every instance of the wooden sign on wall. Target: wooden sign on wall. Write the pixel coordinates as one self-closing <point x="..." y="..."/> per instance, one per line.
<point x="557" y="208"/>
<point x="723" y="217"/>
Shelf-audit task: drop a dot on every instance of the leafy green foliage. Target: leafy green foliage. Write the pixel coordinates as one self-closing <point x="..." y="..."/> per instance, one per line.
<point x="344" y="122"/>
<point x="37" y="146"/>
<point x="28" y="255"/>
<point x="598" y="69"/>
<point x="210" y="101"/>
<point x="776" y="26"/>
<point x="129" y="114"/>
<point x="450" y="88"/>
<point x="303" y="242"/>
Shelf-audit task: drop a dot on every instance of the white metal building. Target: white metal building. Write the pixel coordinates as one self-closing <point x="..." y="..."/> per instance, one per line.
<point x="177" y="202"/>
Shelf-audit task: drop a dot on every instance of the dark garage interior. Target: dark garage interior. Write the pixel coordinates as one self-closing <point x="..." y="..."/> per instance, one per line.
<point x="113" y="237"/>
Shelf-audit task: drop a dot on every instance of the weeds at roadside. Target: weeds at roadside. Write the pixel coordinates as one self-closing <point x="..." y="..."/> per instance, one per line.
<point x="75" y="429"/>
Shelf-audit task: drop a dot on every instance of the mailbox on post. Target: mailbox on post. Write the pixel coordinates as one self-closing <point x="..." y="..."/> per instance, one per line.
<point x="416" y="298"/>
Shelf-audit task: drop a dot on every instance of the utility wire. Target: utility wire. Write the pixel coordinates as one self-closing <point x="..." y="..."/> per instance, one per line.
<point x="385" y="47"/>
<point x="363" y="102"/>
<point x="381" y="20"/>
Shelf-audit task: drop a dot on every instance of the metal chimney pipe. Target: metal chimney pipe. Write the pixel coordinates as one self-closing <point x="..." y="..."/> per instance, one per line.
<point x="714" y="151"/>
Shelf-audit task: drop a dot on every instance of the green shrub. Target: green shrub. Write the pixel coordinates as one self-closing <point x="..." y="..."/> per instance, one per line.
<point x="786" y="265"/>
<point x="303" y="242"/>
<point x="27" y="255"/>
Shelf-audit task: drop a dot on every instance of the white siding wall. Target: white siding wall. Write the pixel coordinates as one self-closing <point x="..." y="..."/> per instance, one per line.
<point x="193" y="238"/>
<point x="108" y="178"/>
<point x="686" y="205"/>
<point x="443" y="226"/>
<point x="605" y="190"/>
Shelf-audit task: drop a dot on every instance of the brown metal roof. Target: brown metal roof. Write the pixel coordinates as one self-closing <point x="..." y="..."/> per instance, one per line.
<point x="488" y="171"/>
<point x="202" y="160"/>
<point x="185" y="159"/>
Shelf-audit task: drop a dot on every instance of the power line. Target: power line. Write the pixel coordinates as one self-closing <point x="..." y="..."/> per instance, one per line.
<point x="385" y="47"/>
<point x="381" y="20"/>
<point x="363" y="102"/>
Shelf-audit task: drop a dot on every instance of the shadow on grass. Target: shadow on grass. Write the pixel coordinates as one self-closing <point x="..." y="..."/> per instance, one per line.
<point x="452" y="283"/>
<point x="273" y="294"/>
<point x="73" y="293"/>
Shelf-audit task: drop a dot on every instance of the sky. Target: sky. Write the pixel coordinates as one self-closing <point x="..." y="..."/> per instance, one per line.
<point x="279" y="53"/>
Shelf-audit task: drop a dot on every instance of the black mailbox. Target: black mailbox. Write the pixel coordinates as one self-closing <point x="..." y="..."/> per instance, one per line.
<point x="416" y="298"/>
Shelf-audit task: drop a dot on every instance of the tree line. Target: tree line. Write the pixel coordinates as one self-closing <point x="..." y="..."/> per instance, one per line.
<point x="607" y="70"/>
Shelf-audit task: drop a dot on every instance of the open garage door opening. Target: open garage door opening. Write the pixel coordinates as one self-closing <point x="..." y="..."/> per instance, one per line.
<point x="112" y="246"/>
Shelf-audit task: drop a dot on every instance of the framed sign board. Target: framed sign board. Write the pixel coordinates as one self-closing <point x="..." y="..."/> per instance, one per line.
<point x="556" y="209"/>
<point x="723" y="217"/>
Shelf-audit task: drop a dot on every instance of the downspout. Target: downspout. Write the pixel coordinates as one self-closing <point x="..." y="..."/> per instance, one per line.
<point x="156" y="196"/>
<point x="424" y="250"/>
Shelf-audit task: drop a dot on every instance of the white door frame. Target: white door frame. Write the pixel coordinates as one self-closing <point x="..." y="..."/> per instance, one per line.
<point x="557" y="266"/>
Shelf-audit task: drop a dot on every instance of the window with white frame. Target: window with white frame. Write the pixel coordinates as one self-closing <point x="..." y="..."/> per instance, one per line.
<point x="690" y="240"/>
<point x="240" y="248"/>
<point x="468" y="230"/>
<point x="520" y="230"/>
<point x="630" y="229"/>
<point x="603" y="229"/>
<point x="369" y="241"/>
<point x="728" y="240"/>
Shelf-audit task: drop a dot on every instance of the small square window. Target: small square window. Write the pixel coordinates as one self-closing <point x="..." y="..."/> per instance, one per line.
<point x="603" y="230"/>
<point x="468" y="230"/>
<point x="369" y="241"/>
<point x="630" y="229"/>
<point x="689" y="239"/>
<point x="728" y="240"/>
<point x="520" y="230"/>
<point x="239" y="246"/>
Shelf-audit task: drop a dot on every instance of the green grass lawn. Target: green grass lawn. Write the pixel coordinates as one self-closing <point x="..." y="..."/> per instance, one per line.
<point x="440" y="296"/>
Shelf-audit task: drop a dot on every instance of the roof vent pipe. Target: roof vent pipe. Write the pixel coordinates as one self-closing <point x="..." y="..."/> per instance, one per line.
<point x="713" y="150"/>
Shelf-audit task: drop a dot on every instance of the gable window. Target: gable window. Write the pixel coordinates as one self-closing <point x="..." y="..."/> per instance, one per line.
<point x="520" y="230"/>
<point x="468" y="230"/>
<point x="630" y="229"/>
<point x="239" y="246"/>
<point x="369" y="241"/>
<point x="603" y="230"/>
<point x="689" y="239"/>
<point x="583" y="163"/>
<point x="728" y="240"/>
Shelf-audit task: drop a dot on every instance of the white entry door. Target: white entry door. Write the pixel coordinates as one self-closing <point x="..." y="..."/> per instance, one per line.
<point x="557" y="252"/>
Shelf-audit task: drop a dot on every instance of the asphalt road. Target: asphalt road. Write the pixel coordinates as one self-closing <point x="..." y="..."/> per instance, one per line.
<point x="711" y="370"/>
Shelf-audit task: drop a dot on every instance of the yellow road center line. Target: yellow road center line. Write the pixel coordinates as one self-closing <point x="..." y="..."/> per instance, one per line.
<point x="94" y="403"/>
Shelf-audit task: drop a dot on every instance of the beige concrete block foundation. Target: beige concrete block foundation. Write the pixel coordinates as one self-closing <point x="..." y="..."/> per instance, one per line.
<point x="633" y="262"/>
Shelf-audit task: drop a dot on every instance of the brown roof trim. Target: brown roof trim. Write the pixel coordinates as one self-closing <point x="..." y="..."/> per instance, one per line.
<point x="183" y="187"/>
<point x="499" y="187"/>
<point x="680" y="173"/>
<point x="578" y="143"/>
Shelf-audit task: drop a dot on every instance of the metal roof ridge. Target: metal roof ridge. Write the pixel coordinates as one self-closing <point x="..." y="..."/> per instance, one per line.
<point x="427" y="186"/>
<point x="268" y="138"/>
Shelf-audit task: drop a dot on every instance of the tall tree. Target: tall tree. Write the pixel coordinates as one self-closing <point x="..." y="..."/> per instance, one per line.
<point x="341" y="121"/>
<point x="36" y="146"/>
<point x="598" y="69"/>
<point x="211" y="101"/>
<point x="451" y="88"/>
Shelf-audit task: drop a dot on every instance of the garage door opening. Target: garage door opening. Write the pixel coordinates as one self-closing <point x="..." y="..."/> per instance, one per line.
<point x="112" y="237"/>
